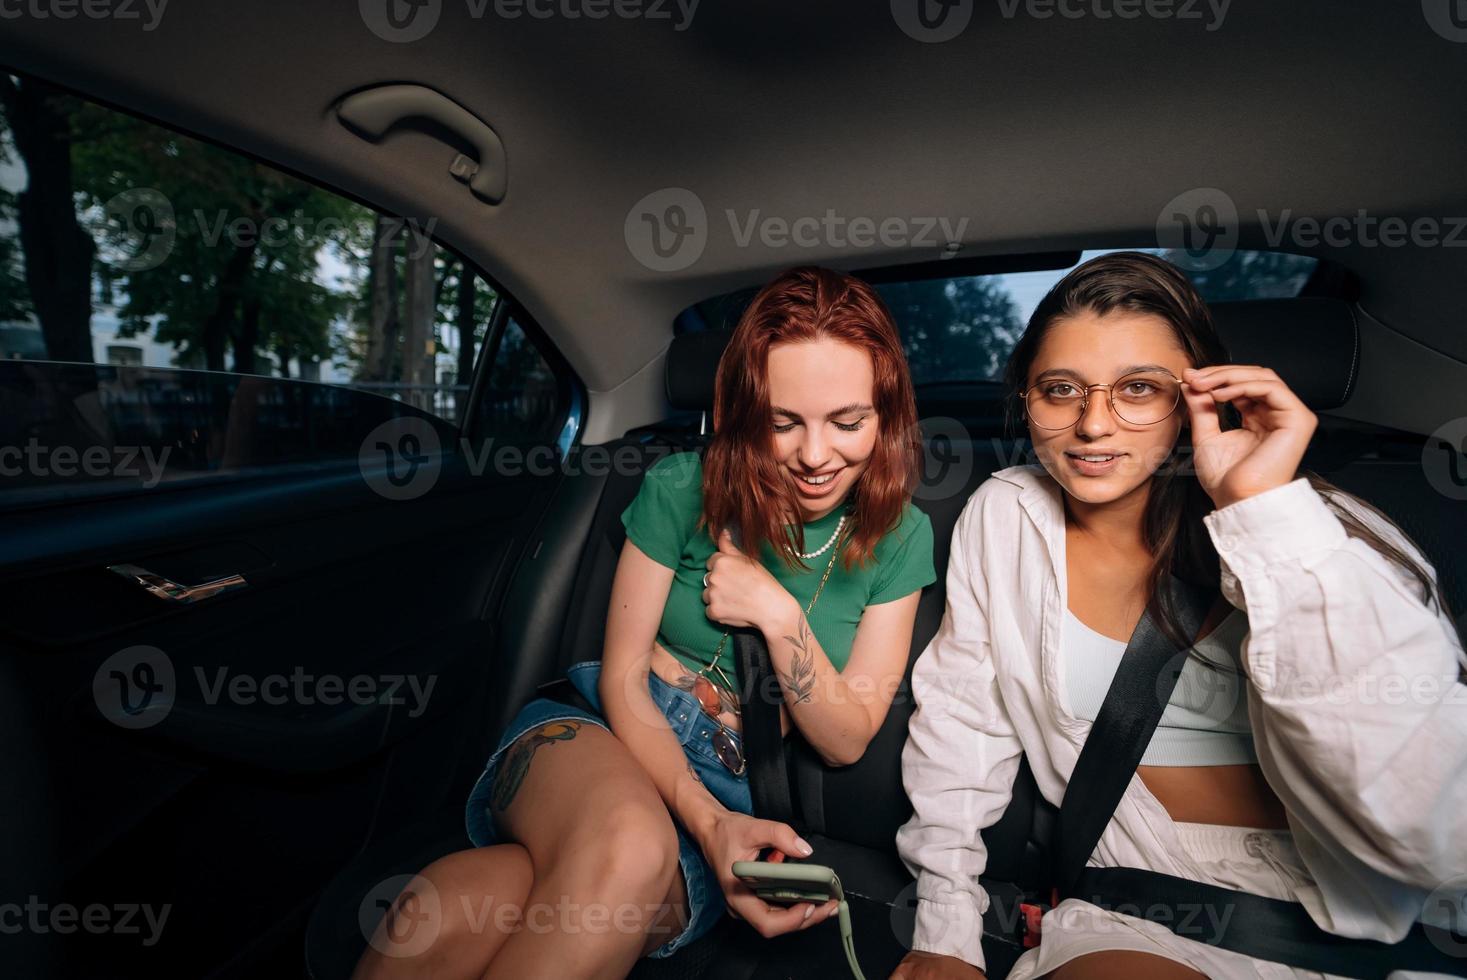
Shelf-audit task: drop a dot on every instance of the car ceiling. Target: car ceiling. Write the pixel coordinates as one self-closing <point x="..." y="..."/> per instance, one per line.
<point x="1043" y="133"/>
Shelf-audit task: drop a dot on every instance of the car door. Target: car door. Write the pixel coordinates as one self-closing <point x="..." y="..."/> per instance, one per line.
<point x="254" y="545"/>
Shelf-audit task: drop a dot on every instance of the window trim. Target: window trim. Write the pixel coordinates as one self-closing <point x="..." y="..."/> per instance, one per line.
<point x="569" y="389"/>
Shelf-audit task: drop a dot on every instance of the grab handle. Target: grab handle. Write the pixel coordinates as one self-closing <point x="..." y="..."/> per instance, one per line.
<point x="372" y="112"/>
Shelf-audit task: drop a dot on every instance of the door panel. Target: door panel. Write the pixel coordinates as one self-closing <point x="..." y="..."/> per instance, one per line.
<point x="252" y="734"/>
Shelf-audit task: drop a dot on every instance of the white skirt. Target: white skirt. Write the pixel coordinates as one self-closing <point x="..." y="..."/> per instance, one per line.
<point x="1263" y="862"/>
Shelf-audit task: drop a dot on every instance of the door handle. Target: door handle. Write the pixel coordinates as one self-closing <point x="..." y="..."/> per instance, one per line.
<point x="166" y="588"/>
<point x="371" y="113"/>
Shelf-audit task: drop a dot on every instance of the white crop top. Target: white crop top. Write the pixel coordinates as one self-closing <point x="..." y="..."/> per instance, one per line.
<point x="1205" y="722"/>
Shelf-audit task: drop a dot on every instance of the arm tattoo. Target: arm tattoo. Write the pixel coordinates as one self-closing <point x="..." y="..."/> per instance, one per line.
<point x="515" y="764"/>
<point x="694" y="773"/>
<point x="800" y="680"/>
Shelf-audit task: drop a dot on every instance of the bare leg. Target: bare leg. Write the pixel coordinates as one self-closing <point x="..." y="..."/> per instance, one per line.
<point x="608" y="888"/>
<point x="455" y="920"/>
<point x="589" y="886"/>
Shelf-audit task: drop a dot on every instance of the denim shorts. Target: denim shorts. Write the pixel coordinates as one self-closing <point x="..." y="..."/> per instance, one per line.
<point x="693" y="729"/>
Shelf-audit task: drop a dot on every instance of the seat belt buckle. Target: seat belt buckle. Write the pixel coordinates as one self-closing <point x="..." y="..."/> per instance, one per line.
<point x="1031" y="914"/>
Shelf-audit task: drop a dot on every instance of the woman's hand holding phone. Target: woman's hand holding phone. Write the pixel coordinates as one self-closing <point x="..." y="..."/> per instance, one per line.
<point x="917" y="965"/>
<point x="740" y="837"/>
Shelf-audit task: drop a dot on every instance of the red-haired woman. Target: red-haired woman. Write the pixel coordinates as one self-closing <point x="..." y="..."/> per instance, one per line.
<point x="595" y="849"/>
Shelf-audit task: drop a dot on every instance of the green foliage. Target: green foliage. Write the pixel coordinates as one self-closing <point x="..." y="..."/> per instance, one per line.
<point x="1249" y="275"/>
<point x="954" y="329"/>
<point x="15" y="301"/>
<point x="243" y="233"/>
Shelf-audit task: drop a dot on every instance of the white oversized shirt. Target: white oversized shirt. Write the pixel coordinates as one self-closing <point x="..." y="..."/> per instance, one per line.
<point x="1359" y="720"/>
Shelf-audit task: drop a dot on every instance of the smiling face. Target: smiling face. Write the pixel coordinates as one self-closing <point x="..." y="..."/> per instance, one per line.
<point x="821" y="394"/>
<point x="1101" y="457"/>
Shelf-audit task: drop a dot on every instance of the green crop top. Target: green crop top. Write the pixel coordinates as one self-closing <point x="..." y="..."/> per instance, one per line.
<point x="661" y="521"/>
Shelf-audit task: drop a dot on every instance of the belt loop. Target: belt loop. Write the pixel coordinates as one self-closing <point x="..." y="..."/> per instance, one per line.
<point x="679" y="707"/>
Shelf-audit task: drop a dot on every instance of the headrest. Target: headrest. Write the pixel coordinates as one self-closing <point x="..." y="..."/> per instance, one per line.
<point x="692" y="364"/>
<point x="1311" y="341"/>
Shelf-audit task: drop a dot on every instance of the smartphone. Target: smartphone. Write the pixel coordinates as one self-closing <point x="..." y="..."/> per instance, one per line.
<point x="784" y="883"/>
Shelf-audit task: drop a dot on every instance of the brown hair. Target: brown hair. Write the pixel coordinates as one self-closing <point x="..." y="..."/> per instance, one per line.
<point x="743" y="487"/>
<point x="1172" y="527"/>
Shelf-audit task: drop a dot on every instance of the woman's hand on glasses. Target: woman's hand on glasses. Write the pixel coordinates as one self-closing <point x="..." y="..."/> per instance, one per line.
<point x="1265" y="453"/>
<point x="738" y="591"/>
<point x="737" y="836"/>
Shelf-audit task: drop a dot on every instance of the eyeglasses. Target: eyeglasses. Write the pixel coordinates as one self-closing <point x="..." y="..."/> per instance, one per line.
<point x="1142" y="398"/>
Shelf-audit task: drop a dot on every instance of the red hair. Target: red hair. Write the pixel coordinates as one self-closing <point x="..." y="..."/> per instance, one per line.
<point x="743" y="485"/>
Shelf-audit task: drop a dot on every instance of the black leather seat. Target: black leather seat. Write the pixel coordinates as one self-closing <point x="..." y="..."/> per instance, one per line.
<point x="560" y="598"/>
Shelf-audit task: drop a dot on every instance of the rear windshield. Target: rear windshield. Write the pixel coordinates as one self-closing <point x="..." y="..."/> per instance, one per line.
<point x="964" y="328"/>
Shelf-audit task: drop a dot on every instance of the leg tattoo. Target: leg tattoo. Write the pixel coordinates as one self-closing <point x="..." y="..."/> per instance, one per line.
<point x="516" y="762"/>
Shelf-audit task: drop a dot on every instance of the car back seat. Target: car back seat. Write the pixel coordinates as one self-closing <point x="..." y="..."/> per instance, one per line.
<point x="555" y="616"/>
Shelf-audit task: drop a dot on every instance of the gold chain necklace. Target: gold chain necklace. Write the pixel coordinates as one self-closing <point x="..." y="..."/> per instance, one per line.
<point x="713" y="697"/>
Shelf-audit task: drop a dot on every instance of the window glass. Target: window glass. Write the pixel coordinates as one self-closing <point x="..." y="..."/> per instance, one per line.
<point x="964" y="328"/>
<point x="521" y="402"/>
<point x="163" y="290"/>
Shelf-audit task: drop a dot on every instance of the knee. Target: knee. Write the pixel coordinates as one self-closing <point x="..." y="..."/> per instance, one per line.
<point x="503" y="868"/>
<point x="468" y="888"/>
<point x="631" y="849"/>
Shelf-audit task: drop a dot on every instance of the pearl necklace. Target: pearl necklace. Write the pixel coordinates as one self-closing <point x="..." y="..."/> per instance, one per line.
<point x="826" y="546"/>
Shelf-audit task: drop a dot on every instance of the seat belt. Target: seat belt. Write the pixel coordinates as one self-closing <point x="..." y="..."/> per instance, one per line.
<point x="1256" y="926"/>
<point x="1123" y="727"/>
<point x="764" y="749"/>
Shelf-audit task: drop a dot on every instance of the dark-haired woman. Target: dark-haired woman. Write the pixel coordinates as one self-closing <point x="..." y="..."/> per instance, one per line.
<point x="607" y="836"/>
<point x="1277" y="768"/>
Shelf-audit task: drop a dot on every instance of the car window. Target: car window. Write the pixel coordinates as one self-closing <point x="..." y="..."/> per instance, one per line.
<point x="964" y="328"/>
<point x="522" y="396"/>
<point x="162" y="295"/>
